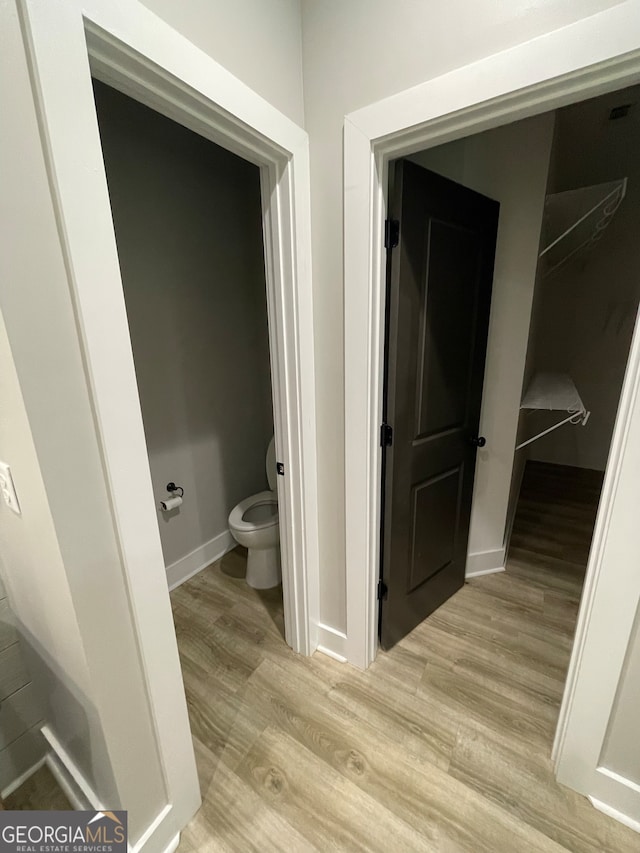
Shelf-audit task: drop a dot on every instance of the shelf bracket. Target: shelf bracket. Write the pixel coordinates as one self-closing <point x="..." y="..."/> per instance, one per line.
<point x="574" y="418"/>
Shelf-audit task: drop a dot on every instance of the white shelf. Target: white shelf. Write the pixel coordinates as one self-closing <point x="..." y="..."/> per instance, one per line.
<point x="576" y="219"/>
<point x="554" y="392"/>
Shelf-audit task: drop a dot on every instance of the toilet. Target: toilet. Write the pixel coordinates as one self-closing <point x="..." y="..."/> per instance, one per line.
<point x="254" y="524"/>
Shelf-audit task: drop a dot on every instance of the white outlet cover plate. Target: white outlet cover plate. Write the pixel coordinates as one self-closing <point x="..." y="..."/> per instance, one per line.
<point x="8" y="489"/>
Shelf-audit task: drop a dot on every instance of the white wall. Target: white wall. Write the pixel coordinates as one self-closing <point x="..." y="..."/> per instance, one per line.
<point x="258" y="41"/>
<point x="585" y="312"/>
<point x="188" y="223"/>
<point x="355" y="53"/>
<point x="598" y="752"/>
<point x="510" y="165"/>
<point x="621" y="750"/>
<point x="62" y="563"/>
<point x="39" y="593"/>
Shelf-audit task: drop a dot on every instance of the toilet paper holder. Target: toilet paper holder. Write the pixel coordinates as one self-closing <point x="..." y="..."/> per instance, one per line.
<point x="175" y="500"/>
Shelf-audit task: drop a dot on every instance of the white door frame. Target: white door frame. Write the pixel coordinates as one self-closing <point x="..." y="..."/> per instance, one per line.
<point x="594" y="56"/>
<point x="128" y="47"/>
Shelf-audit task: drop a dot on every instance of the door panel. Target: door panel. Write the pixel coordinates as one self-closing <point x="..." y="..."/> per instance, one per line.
<point x="439" y="294"/>
<point x="433" y="524"/>
<point x="444" y="368"/>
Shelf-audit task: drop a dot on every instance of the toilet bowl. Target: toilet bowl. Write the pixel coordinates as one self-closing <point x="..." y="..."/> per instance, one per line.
<point x="254" y="523"/>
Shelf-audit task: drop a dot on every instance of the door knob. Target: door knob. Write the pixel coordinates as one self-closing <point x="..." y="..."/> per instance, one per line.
<point x="478" y="441"/>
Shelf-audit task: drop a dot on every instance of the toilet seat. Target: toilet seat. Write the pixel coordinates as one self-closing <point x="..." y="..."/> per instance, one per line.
<point x="261" y="499"/>
<point x="253" y="523"/>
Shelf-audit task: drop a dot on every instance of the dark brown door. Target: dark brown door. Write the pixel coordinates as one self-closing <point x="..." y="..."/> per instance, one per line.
<point x="439" y="295"/>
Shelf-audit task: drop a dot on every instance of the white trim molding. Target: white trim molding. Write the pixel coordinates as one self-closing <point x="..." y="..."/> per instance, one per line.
<point x="22" y="778"/>
<point x="593" y="56"/>
<point x="609" y="607"/>
<point x="66" y="782"/>
<point x="213" y="108"/>
<point x="484" y="563"/>
<point x="70" y="777"/>
<point x="332" y="642"/>
<point x="198" y="559"/>
<point x="615" y="814"/>
<point x="131" y="49"/>
<point x="81" y="794"/>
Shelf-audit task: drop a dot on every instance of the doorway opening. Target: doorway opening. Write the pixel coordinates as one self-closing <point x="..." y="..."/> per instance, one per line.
<point x="582" y="322"/>
<point x="564" y="306"/>
<point x="188" y="222"/>
<point x="187" y="217"/>
<point x="566" y="228"/>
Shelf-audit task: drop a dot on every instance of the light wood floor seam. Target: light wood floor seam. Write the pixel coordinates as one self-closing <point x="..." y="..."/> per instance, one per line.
<point x="442" y="745"/>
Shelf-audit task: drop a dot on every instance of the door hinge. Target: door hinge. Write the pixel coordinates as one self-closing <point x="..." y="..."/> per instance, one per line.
<point x="391" y="233"/>
<point x="382" y="590"/>
<point x="280" y="468"/>
<point x="386" y="435"/>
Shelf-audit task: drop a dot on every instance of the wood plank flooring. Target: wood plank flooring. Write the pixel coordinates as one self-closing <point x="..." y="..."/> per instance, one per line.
<point x="443" y="745"/>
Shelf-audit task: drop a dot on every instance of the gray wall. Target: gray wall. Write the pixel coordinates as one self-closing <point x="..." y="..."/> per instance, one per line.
<point x="188" y="224"/>
<point x="585" y="312"/>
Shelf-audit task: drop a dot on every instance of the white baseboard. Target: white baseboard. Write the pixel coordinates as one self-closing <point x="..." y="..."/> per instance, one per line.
<point x="82" y="796"/>
<point x="615" y="814"/>
<point x="152" y="829"/>
<point x="484" y="563"/>
<point x="189" y="565"/>
<point x="66" y="783"/>
<point x="21" y="779"/>
<point x="69" y="775"/>
<point x="332" y="643"/>
<point x="482" y="572"/>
